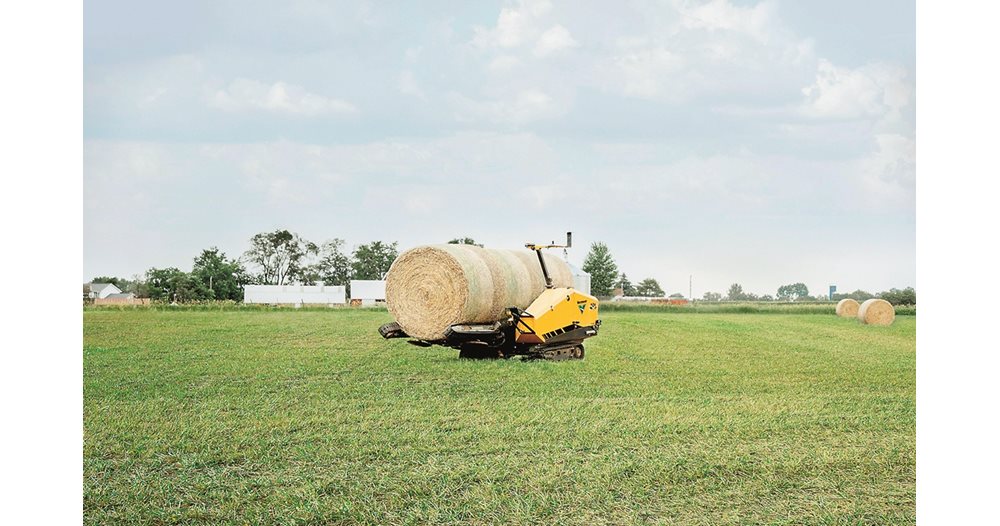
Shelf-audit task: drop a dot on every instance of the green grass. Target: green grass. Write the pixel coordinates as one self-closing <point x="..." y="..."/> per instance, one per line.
<point x="308" y="417"/>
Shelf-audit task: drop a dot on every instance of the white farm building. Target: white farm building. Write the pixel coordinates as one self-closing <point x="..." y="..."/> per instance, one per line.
<point x="295" y="294"/>
<point x="367" y="291"/>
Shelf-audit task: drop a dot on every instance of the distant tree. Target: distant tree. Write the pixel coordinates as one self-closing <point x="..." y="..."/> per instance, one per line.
<point x="464" y="241"/>
<point x="736" y="293"/>
<point x="766" y="297"/>
<point x="907" y="296"/>
<point x="136" y="285"/>
<point x="333" y="266"/>
<point x="712" y="296"/>
<point x="187" y="288"/>
<point x="279" y="256"/>
<point x="221" y="277"/>
<point x="172" y="284"/>
<point x="373" y="260"/>
<point x="649" y="288"/>
<point x="602" y="269"/>
<point x="676" y="296"/>
<point x="793" y="292"/>
<point x="628" y="289"/>
<point x="858" y="295"/>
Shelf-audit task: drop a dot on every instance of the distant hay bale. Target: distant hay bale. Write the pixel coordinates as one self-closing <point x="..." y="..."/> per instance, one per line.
<point x="847" y="308"/>
<point x="876" y="312"/>
<point x="431" y="287"/>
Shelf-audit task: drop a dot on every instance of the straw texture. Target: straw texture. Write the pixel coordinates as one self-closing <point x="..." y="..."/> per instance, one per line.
<point x="431" y="287"/>
<point x="847" y="308"/>
<point x="876" y="312"/>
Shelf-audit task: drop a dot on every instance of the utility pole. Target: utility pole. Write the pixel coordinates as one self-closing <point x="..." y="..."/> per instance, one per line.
<point x="690" y="280"/>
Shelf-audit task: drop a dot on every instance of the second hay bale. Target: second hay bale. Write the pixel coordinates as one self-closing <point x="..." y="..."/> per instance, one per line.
<point x="876" y="312"/>
<point x="847" y="308"/>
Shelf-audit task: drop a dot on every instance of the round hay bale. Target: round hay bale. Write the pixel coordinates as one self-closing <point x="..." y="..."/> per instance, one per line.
<point x="876" y="312"/>
<point x="431" y="287"/>
<point x="847" y="308"/>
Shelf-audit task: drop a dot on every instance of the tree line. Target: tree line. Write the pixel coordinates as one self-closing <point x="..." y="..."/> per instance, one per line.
<point x="280" y="257"/>
<point x="605" y="277"/>
<point x="799" y="292"/>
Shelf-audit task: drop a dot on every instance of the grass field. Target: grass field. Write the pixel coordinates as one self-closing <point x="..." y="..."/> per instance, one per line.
<point x="292" y="417"/>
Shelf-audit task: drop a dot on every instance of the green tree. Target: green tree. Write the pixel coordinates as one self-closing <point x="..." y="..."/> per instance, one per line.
<point x="627" y="287"/>
<point x="373" y="260"/>
<point x="736" y="293"/>
<point x="907" y="296"/>
<point x="223" y="278"/>
<point x="333" y="267"/>
<point x="793" y="292"/>
<point x="602" y="269"/>
<point x="464" y="241"/>
<point x="712" y="296"/>
<point x="858" y="295"/>
<point x="649" y="288"/>
<point x="677" y="296"/>
<point x="279" y="256"/>
<point x="172" y="284"/>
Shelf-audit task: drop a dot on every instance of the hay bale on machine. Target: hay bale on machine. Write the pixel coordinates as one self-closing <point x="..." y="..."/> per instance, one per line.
<point x="431" y="287"/>
<point x="847" y="308"/>
<point x="876" y="312"/>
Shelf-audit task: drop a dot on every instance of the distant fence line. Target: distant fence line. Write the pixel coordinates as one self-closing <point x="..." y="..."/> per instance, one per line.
<point x="121" y="301"/>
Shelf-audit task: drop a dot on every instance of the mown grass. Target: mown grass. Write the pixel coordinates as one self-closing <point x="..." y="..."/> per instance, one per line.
<point x="308" y="417"/>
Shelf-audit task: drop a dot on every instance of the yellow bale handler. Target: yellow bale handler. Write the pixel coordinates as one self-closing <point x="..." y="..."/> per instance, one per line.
<point x="553" y="327"/>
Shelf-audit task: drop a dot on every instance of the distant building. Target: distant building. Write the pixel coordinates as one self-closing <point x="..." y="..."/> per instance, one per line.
<point x="295" y="294"/>
<point x="367" y="291"/>
<point x="99" y="291"/>
<point x="121" y="298"/>
<point x="581" y="279"/>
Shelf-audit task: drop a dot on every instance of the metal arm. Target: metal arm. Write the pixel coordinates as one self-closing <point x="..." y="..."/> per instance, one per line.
<point x="541" y="260"/>
<point x="545" y="270"/>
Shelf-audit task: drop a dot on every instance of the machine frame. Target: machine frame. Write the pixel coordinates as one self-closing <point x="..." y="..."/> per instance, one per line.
<point x="553" y="327"/>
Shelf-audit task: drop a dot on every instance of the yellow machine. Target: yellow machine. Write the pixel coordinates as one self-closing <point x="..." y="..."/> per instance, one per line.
<point x="553" y="327"/>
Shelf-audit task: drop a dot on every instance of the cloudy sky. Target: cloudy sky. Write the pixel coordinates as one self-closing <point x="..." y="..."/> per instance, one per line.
<point x="754" y="142"/>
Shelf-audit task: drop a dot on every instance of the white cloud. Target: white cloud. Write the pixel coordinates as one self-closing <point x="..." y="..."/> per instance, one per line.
<point x="874" y="90"/>
<point x="526" y="105"/>
<point x="688" y="50"/>
<point x="408" y="85"/>
<point x="503" y="64"/>
<point x="515" y="25"/>
<point x="888" y="175"/>
<point x="252" y="95"/>
<point x="758" y="21"/>
<point x="647" y="72"/>
<point x="556" y="38"/>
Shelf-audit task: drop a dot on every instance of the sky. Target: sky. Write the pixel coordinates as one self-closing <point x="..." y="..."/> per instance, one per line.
<point x="760" y="143"/>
